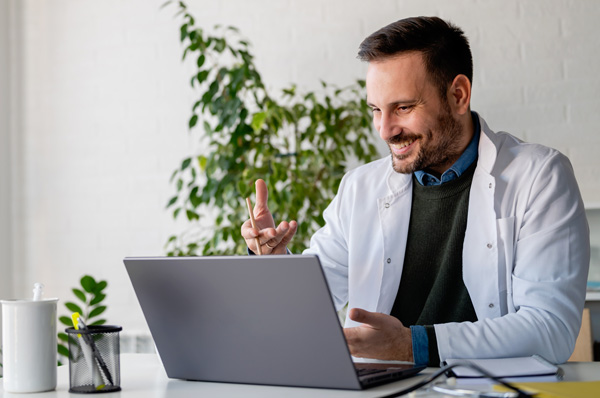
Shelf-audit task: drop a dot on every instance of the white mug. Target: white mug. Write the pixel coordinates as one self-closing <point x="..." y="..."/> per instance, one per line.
<point x="29" y="345"/>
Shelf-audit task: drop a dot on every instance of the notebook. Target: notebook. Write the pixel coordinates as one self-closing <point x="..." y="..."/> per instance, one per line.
<point x="249" y="319"/>
<point x="520" y="369"/>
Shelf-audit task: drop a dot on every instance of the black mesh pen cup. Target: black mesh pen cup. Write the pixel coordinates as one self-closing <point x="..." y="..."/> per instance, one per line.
<point x="94" y="359"/>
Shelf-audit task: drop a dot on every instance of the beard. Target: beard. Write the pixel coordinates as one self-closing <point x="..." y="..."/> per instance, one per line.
<point x="431" y="154"/>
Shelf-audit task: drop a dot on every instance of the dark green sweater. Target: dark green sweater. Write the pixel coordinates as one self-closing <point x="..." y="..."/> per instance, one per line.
<point x="432" y="289"/>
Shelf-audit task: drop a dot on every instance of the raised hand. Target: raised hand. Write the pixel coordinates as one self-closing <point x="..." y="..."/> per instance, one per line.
<point x="272" y="240"/>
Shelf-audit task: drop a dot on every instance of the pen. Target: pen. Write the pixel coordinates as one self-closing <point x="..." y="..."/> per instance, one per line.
<point x="251" y="212"/>
<point x="88" y="354"/>
<point x="90" y="341"/>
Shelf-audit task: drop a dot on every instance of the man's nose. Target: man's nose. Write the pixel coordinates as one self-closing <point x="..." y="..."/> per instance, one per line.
<point x="388" y="127"/>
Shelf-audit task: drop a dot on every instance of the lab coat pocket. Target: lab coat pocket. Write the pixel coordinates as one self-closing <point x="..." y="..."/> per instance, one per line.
<point x="506" y="248"/>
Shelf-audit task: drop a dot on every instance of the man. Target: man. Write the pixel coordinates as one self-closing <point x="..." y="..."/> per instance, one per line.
<point x="469" y="243"/>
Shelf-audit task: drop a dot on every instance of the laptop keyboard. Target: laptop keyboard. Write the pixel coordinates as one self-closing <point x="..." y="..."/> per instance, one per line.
<point x="375" y="374"/>
<point x="367" y="371"/>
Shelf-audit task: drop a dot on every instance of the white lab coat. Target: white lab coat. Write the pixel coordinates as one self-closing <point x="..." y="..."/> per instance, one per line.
<point x="525" y="255"/>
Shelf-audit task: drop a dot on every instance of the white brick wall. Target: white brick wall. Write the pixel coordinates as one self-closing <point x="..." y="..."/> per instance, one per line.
<point x="106" y="101"/>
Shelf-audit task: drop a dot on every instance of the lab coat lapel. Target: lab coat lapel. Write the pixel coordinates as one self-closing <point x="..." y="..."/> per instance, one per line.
<point x="480" y="252"/>
<point x="394" y="216"/>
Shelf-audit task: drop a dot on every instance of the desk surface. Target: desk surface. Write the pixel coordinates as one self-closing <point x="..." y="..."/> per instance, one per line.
<point x="142" y="375"/>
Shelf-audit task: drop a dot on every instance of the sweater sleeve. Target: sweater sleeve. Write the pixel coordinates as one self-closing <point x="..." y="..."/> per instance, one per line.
<point x="434" y="355"/>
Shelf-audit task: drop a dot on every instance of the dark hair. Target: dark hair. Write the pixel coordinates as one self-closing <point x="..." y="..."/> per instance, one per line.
<point x="444" y="46"/>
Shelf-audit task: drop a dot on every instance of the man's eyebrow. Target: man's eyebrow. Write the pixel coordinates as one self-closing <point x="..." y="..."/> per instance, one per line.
<point x="395" y="103"/>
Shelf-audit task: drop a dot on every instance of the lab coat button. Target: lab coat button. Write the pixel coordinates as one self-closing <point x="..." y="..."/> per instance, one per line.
<point x="387" y="205"/>
<point x="489" y="245"/>
<point x="490" y="185"/>
<point x="389" y="260"/>
<point x="491" y="305"/>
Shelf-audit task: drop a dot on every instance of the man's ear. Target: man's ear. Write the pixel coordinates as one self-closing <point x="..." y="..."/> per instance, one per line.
<point x="459" y="94"/>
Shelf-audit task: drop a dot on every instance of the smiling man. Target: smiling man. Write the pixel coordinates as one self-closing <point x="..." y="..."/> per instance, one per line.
<point x="410" y="115"/>
<point x="469" y="243"/>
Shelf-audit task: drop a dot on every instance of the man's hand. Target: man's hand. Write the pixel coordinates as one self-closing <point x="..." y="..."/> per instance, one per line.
<point x="380" y="336"/>
<point x="272" y="240"/>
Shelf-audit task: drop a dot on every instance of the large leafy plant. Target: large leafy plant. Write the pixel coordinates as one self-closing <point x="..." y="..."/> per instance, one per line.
<point x="299" y="143"/>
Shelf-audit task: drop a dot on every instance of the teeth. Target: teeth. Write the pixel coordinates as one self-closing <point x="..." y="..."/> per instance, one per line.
<point x="404" y="144"/>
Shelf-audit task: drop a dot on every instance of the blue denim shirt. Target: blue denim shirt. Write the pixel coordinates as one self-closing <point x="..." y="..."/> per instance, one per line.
<point x="420" y="341"/>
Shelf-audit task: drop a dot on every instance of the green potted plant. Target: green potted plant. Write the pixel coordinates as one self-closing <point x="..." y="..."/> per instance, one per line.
<point x="299" y="143"/>
<point x="91" y="305"/>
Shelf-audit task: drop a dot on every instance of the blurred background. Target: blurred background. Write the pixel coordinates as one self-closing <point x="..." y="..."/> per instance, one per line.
<point x="95" y="101"/>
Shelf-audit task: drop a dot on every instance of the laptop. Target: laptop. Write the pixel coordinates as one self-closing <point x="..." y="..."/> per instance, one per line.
<point x="250" y="319"/>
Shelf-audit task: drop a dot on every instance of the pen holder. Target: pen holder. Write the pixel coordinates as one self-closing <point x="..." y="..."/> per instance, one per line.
<point x="94" y="359"/>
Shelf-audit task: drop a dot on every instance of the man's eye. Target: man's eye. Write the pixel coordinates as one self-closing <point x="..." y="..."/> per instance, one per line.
<point x="404" y="108"/>
<point x="374" y="110"/>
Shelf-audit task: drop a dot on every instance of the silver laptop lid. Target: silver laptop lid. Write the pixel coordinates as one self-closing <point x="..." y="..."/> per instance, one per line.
<point x="248" y="319"/>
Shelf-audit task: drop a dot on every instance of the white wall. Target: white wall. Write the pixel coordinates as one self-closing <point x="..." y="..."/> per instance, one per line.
<point x="106" y="101"/>
<point x="4" y="151"/>
<point x="10" y="211"/>
<point x="5" y="262"/>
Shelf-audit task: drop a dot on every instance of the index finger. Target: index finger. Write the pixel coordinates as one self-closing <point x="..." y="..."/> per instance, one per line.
<point x="363" y="316"/>
<point x="262" y="195"/>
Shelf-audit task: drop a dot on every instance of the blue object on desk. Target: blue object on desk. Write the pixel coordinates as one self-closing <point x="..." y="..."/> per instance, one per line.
<point x="593" y="285"/>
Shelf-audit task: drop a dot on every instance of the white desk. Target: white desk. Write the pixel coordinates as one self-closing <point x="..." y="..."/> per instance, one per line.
<point x="143" y="376"/>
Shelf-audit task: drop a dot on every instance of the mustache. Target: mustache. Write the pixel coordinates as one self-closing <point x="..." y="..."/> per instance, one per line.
<point x="403" y="137"/>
